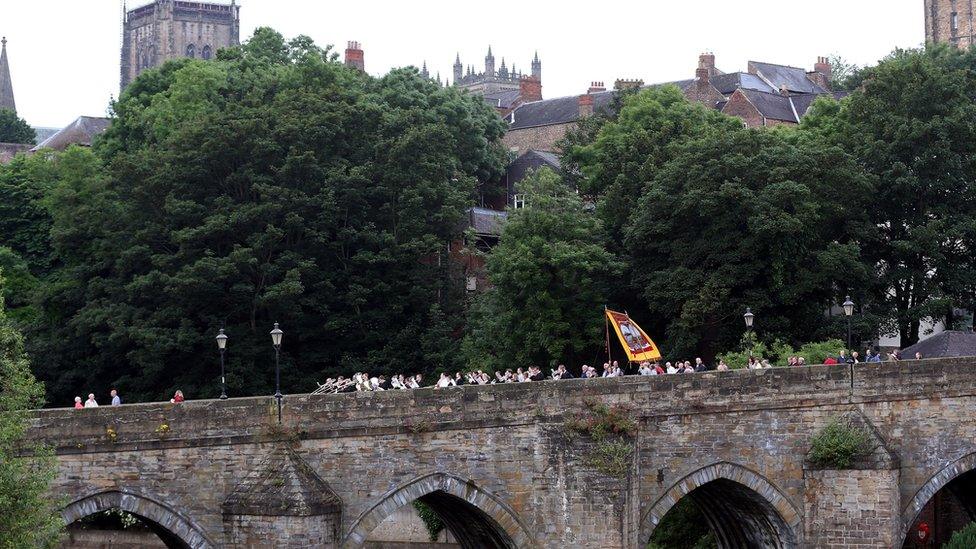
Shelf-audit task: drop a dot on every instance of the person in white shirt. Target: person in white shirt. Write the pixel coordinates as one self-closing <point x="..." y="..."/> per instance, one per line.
<point x="669" y="368"/>
<point x="646" y="370"/>
<point x="445" y="381"/>
<point x="90" y="403"/>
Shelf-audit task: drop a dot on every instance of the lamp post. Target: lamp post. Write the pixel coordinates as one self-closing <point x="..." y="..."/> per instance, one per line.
<point x="222" y="346"/>
<point x="749" y="318"/>
<point x="849" y="312"/>
<point x="276" y="334"/>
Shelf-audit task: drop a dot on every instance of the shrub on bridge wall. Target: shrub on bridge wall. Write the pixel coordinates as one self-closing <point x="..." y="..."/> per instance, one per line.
<point x="839" y="444"/>
<point x="963" y="539"/>
<point x="778" y="352"/>
<point x="613" y="430"/>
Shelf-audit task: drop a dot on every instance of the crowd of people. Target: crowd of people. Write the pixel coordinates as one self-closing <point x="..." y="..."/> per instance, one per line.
<point x="116" y="399"/>
<point x="362" y="381"/>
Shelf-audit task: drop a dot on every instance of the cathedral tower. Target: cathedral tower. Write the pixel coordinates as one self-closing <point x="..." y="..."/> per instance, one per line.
<point x="489" y="63"/>
<point x="458" y="68"/>
<point x="949" y="21"/>
<point x="170" y="29"/>
<point x="6" y="86"/>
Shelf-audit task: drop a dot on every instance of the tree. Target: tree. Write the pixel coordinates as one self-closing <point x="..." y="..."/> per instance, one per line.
<point x="272" y="184"/>
<point x="760" y="219"/>
<point x="14" y="129"/>
<point x="910" y="128"/>
<point x="30" y="517"/>
<point x="844" y="76"/>
<point x="550" y="275"/>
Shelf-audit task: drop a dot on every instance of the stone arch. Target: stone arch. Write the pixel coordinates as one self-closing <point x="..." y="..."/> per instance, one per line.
<point x="171" y="522"/>
<point x="508" y="529"/>
<point x="741" y="507"/>
<point x="936" y="483"/>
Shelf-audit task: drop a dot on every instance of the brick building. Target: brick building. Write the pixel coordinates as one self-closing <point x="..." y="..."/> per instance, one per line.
<point x="949" y="21"/>
<point x="766" y="94"/>
<point x="171" y="29"/>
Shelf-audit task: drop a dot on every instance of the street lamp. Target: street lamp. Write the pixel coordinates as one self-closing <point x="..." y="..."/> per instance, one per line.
<point x="849" y="312"/>
<point x="276" y="341"/>
<point x="222" y="346"/>
<point x="749" y="318"/>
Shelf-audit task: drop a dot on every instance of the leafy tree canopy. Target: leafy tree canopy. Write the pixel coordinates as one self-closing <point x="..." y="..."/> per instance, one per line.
<point x="14" y="129"/>
<point x="550" y="274"/>
<point x="30" y="518"/>
<point x="273" y="184"/>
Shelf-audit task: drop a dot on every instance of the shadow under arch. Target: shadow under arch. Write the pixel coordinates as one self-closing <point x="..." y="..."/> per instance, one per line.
<point x="174" y="528"/>
<point x="938" y="481"/>
<point x="742" y="507"/>
<point x="476" y="517"/>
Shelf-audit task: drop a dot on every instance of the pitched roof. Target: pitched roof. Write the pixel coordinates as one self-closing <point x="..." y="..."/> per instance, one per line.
<point x="6" y="87"/>
<point x="728" y="83"/>
<point x="80" y="132"/>
<point x="282" y="485"/>
<point x="505" y="99"/>
<point x="561" y="110"/>
<point x="794" y="78"/>
<point x="946" y="344"/>
<point x="772" y="105"/>
<point x="486" y="222"/>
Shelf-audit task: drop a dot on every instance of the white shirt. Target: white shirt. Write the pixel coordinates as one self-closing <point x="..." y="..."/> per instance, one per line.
<point x="672" y="370"/>
<point x="90" y="403"/>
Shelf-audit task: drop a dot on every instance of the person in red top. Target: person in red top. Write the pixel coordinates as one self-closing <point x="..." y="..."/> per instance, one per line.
<point x="830" y="360"/>
<point x="177" y="398"/>
<point x="78" y="404"/>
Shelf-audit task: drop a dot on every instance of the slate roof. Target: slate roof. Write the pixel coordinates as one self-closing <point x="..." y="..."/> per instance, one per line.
<point x="794" y="78"/>
<point x="561" y="110"/>
<point x="946" y="344"/>
<point x="485" y="221"/>
<point x="80" y="132"/>
<point x="282" y="485"/>
<point x="505" y="99"/>
<point x="729" y="82"/>
<point x="772" y="105"/>
<point x="42" y="133"/>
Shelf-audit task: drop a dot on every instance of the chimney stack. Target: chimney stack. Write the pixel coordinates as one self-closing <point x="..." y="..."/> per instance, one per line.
<point x="354" y="56"/>
<point x="622" y="84"/>
<point x="585" y="105"/>
<point x="530" y="89"/>
<point x="823" y="67"/>
<point x="596" y="87"/>
<point x="706" y="61"/>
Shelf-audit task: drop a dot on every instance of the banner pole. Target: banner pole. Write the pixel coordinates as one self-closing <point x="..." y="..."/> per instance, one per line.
<point x="606" y="318"/>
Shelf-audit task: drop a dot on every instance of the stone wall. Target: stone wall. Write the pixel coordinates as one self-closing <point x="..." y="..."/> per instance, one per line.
<point x="499" y="460"/>
<point x="539" y="138"/>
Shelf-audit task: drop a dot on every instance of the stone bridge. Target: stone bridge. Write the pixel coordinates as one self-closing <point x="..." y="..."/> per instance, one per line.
<point x="500" y="467"/>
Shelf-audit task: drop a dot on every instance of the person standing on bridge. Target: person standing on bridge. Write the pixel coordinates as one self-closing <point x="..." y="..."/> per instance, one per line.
<point x="177" y="398"/>
<point x="91" y="403"/>
<point x="78" y="404"/>
<point x="116" y="401"/>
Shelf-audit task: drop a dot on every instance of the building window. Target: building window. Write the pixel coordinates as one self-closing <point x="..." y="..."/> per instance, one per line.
<point x="191" y="51"/>
<point x="955" y="22"/>
<point x="207" y="52"/>
<point x="518" y="201"/>
<point x="472" y="284"/>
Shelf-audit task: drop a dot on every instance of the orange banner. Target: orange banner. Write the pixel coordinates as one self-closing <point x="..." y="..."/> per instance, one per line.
<point x="638" y="346"/>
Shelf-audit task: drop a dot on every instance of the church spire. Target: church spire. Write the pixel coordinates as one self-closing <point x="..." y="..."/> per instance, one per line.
<point x="6" y="87"/>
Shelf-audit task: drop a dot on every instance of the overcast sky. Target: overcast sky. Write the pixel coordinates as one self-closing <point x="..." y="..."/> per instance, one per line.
<point x="64" y="54"/>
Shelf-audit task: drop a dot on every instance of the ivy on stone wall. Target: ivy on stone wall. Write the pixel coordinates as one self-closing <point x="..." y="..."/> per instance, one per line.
<point x="433" y="522"/>
<point x="613" y="431"/>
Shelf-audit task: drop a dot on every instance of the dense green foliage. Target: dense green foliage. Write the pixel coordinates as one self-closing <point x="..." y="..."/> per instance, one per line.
<point x="778" y="352"/>
<point x="839" y="444"/>
<point x="910" y="130"/>
<point x="274" y="184"/>
<point x="30" y="518"/>
<point x="963" y="539"/>
<point x="431" y="521"/>
<point x="14" y="129"/>
<point x="550" y="277"/>
<point x="684" y="527"/>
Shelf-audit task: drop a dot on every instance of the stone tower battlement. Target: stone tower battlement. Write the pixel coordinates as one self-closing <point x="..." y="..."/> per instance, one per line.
<point x="170" y="29"/>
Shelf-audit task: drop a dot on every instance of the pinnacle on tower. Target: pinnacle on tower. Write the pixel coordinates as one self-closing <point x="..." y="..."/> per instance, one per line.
<point x="423" y="71"/>
<point x="6" y="87"/>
